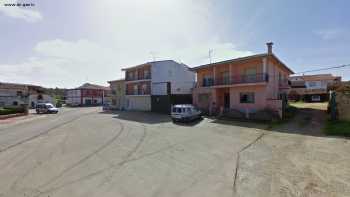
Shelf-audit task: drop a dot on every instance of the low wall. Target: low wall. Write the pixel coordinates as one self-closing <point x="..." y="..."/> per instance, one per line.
<point x="343" y="105"/>
<point x="275" y="105"/>
<point x="2" y="117"/>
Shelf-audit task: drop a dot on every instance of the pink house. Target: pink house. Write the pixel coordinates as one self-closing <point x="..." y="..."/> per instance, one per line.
<point x="246" y="84"/>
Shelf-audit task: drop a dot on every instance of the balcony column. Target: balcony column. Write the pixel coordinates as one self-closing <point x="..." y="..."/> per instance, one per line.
<point x="264" y="68"/>
<point x="230" y="73"/>
<point x="214" y="75"/>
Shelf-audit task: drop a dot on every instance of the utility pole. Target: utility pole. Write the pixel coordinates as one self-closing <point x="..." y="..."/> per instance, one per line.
<point x="210" y="55"/>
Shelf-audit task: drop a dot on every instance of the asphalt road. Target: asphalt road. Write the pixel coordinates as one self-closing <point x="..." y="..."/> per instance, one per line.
<point x="84" y="152"/>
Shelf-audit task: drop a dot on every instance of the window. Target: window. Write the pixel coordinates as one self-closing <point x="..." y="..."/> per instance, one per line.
<point x="250" y="75"/>
<point x="208" y="81"/>
<point x="135" y="90"/>
<point x="203" y="98"/>
<point x="144" y="89"/>
<point x="130" y="75"/>
<point x="19" y="93"/>
<point x="146" y="74"/>
<point x="247" y="97"/>
<point x="225" y="77"/>
<point x="315" y="98"/>
<point x="114" y="92"/>
<point x="314" y="84"/>
<point x="15" y="103"/>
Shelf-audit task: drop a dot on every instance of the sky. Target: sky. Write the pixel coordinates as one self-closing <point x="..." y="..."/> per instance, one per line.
<point x="67" y="43"/>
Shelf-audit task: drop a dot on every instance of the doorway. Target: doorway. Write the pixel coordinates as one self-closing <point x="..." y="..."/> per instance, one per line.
<point x="227" y="100"/>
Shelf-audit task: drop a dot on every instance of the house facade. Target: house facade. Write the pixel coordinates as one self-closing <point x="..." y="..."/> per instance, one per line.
<point x="87" y="95"/>
<point x="155" y="86"/>
<point x="246" y="85"/>
<point x="15" y="95"/>
<point x="312" y="88"/>
<point x="117" y="98"/>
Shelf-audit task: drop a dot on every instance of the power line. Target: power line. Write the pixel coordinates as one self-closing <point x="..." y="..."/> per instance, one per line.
<point x="321" y="69"/>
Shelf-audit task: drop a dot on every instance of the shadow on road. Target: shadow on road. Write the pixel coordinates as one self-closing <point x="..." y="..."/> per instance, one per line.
<point x="142" y="117"/>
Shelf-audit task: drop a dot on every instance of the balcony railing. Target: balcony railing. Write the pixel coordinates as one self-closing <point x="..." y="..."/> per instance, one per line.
<point x="238" y="79"/>
<point x="284" y="83"/>
<point x="138" y="78"/>
<point x="138" y="92"/>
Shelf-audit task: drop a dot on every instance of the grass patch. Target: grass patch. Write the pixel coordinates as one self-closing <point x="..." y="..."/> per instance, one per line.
<point x="339" y="128"/>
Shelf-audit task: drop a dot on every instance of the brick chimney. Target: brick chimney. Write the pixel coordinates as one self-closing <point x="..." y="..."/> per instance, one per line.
<point x="269" y="47"/>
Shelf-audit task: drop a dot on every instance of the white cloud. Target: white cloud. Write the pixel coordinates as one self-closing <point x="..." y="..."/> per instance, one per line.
<point x="69" y="64"/>
<point x="174" y="29"/>
<point x="329" y="34"/>
<point x="19" y="12"/>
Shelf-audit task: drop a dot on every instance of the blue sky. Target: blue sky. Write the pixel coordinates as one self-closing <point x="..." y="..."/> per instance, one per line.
<point x="66" y="43"/>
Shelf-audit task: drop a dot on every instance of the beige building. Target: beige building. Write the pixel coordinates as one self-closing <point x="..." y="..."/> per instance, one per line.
<point x="15" y="95"/>
<point x="117" y="98"/>
<point x="312" y="88"/>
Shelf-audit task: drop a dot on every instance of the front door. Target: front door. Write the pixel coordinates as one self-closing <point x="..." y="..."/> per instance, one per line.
<point x="227" y="100"/>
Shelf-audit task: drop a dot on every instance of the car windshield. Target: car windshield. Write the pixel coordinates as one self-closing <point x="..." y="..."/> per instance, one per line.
<point x="49" y="106"/>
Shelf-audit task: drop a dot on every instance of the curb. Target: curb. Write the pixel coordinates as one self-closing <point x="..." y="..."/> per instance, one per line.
<point x="3" y="117"/>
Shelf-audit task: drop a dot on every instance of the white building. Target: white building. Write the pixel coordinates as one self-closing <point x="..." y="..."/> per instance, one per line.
<point x="15" y="94"/>
<point x="157" y="85"/>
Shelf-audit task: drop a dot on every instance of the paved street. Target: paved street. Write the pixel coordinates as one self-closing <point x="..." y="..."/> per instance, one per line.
<point x="85" y="152"/>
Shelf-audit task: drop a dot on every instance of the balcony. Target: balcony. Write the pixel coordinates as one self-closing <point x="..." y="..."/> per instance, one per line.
<point x="135" y="78"/>
<point x="138" y="92"/>
<point x="238" y="79"/>
<point x="284" y="84"/>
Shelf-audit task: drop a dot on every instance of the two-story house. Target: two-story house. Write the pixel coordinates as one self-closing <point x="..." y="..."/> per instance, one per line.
<point x="155" y="86"/>
<point x="87" y="95"/>
<point x="247" y="84"/>
<point x="312" y="88"/>
<point x="16" y="94"/>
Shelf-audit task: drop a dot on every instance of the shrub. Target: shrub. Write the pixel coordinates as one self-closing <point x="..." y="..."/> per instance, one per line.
<point x="11" y="110"/>
<point x="339" y="127"/>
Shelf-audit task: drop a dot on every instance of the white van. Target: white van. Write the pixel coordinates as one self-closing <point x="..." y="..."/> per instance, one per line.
<point x="185" y="113"/>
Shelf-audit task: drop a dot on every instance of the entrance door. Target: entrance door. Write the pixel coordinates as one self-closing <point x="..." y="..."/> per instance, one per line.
<point x="227" y="100"/>
<point x="88" y="102"/>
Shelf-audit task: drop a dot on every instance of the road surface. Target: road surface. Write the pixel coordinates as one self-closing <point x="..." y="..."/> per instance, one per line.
<point x="84" y="152"/>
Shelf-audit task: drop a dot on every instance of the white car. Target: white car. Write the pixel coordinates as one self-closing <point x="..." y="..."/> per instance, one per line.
<point x="184" y="113"/>
<point x="46" y="108"/>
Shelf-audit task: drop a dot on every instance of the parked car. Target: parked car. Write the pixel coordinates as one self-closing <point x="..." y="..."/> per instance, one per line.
<point x="106" y="107"/>
<point x="46" y="108"/>
<point x="185" y="113"/>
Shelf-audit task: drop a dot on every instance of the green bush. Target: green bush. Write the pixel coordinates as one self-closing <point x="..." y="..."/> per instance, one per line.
<point x="59" y="103"/>
<point x="339" y="128"/>
<point x="11" y="110"/>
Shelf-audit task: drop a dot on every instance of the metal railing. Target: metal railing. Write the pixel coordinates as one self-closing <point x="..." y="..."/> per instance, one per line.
<point x="138" y="78"/>
<point x="237" y="79"/>
<point x="138" y="92"/>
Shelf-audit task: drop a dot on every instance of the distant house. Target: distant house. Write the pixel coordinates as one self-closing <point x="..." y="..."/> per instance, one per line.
<point x="155" y="86"/>
<point x="117" y="98"/>
<point x="16" y="94"/>
<point x="243" y="85"/>
<point x="312" y="88"/>
<point x="87" y="95"/>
